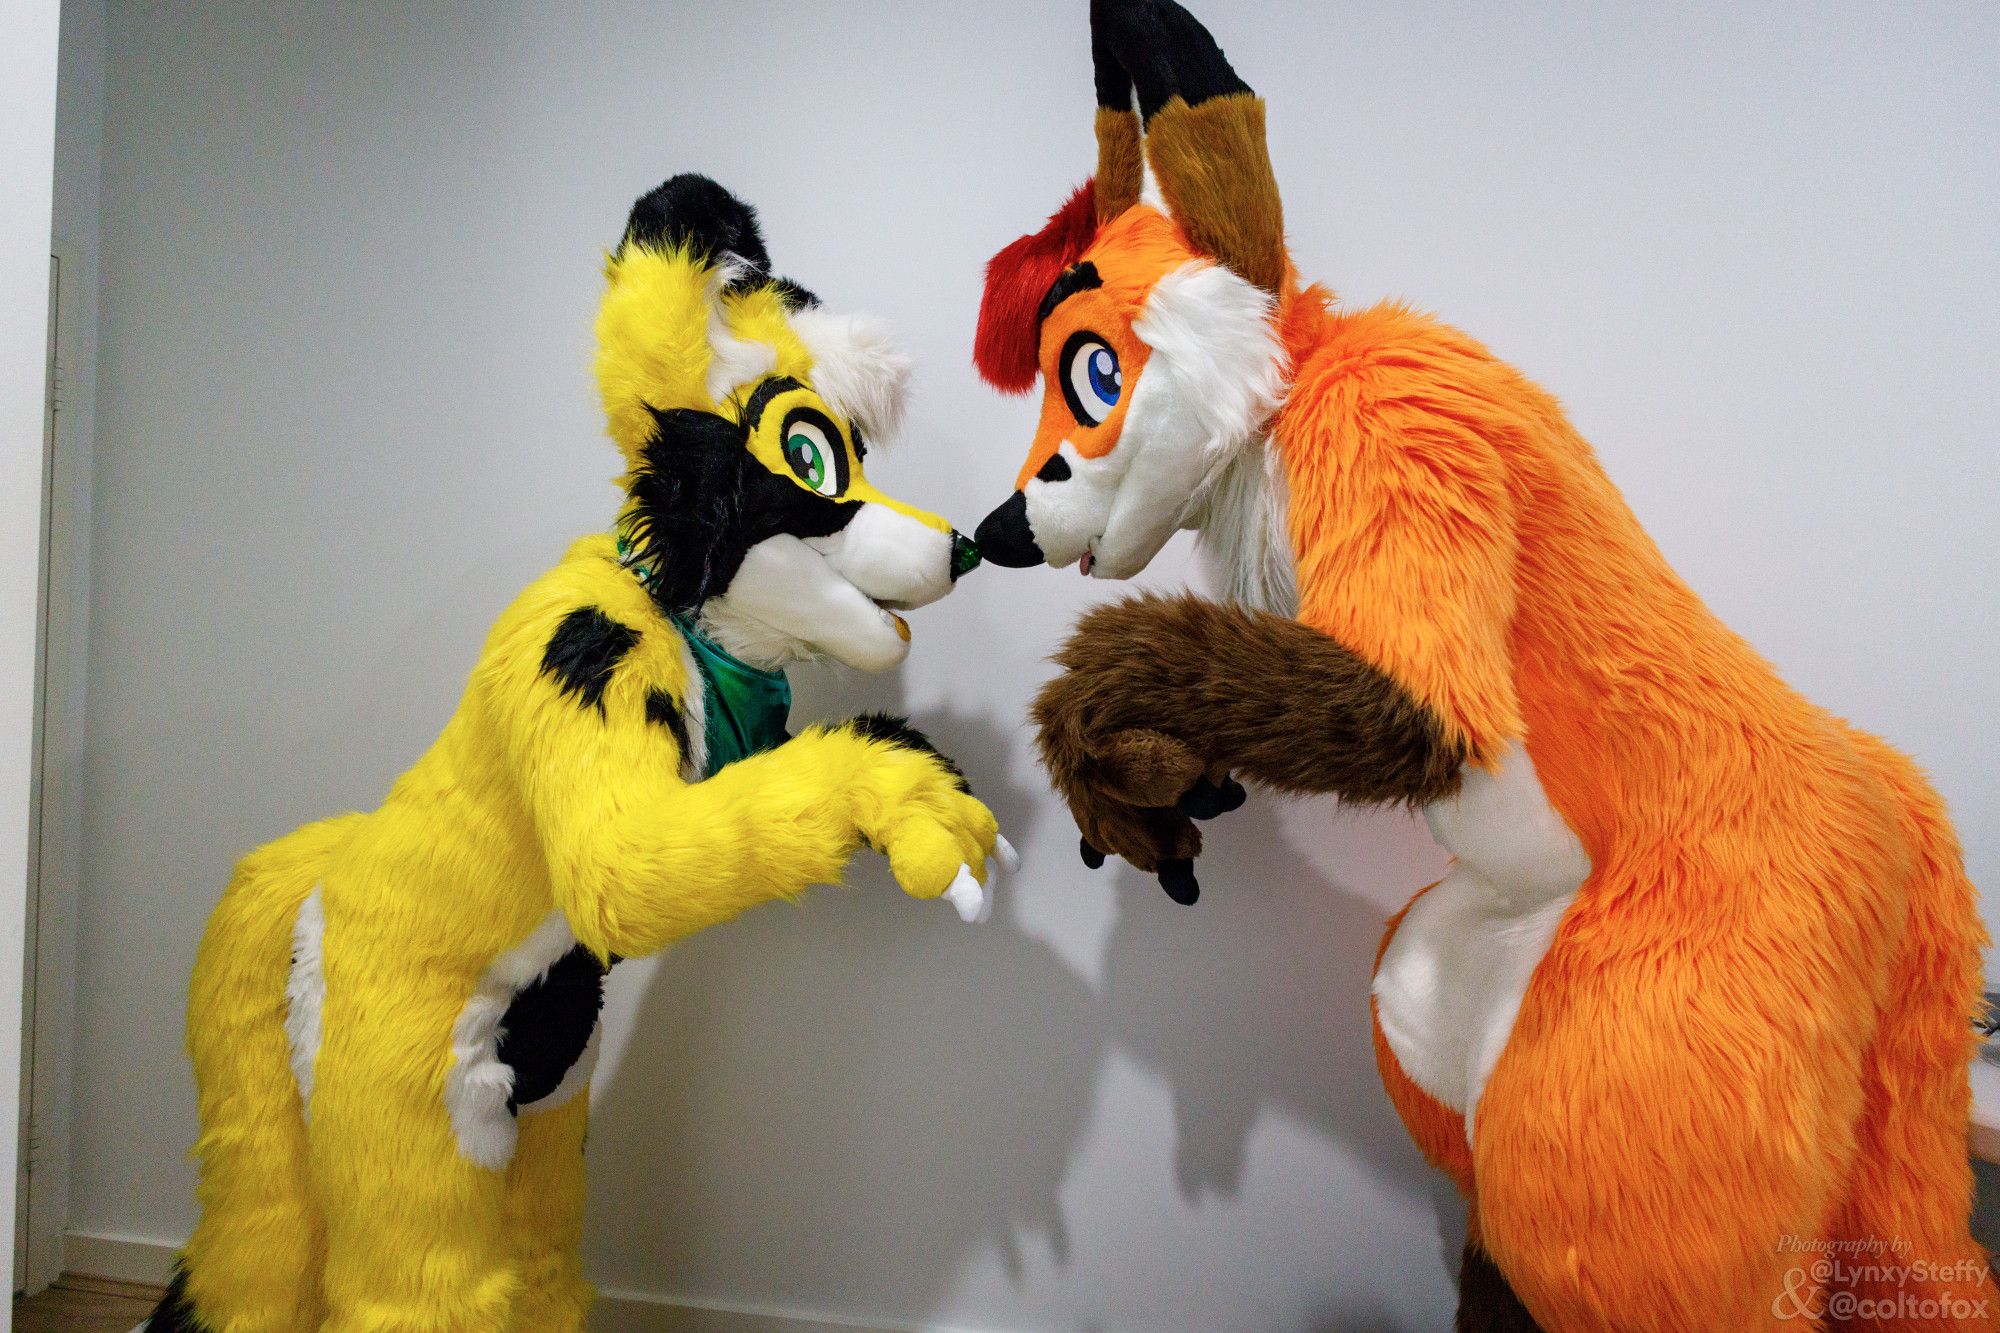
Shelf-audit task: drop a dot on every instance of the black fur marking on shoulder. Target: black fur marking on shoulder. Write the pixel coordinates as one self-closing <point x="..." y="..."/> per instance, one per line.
<point x="662" y="711"/>
<point x="548" y="1024"/>
<point x="1162" y="49"/>
<point x="583" y="652"/>
<point x="694" y="212"/>
<point x="174" y="1314"/>
<point x="897" y="731"/>
<point x="1077" y="278"/>
<point x="760" y="397"/>
<point x="701" y="501"/>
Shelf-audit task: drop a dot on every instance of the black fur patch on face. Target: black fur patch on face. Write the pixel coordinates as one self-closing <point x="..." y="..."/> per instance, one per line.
<point x="548" y="1023"/>
<point x="895" y="730"/>
<point x="174" y="1314"/>
<point x="1056" y="469"/>
<point x="702" y="500"/>
<point x="693" y="212"/>
<point x="583" y="652"/>
<point x="1077" y="278"/>
<point x="1158" y="49"/>
<point x="662" y="711"/>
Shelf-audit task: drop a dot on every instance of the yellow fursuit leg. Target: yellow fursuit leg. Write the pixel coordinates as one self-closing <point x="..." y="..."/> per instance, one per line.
<point x="545" y="1194"/>
<point x="415" y="1235"/>
<point x="253" y="1263"/>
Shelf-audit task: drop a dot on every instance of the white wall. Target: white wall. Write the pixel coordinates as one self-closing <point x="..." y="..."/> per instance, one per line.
<point x="349" y="268"/>
<point x="27" y="152"/>
<point x="79" y="133"/>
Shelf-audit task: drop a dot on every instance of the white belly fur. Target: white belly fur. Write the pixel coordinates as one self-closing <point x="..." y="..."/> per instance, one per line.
<point x="1451" y="981"/>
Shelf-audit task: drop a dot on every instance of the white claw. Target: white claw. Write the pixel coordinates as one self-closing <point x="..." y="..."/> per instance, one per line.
<point x="1004" y="853"/>
<point x="967" y="896"/>
<point x="985" y="902"/>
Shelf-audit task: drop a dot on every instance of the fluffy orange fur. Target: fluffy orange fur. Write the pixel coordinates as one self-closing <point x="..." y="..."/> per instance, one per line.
<point x="1749" y="1037"/>
<point x="1753" y="1023"/>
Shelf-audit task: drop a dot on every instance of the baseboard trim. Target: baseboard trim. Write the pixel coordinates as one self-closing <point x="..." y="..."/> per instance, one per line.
<point x="140" y="1259"/>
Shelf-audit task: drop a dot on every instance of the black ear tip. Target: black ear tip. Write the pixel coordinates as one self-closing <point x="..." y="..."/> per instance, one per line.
<point x="692" y="210"/>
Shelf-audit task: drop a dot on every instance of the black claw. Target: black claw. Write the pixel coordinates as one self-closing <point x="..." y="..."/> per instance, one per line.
<point x="1177" y="878"/>
<point x="1201" y="801"/>
<point x="1092" y="858"/>
<point x="1232" y="795"/>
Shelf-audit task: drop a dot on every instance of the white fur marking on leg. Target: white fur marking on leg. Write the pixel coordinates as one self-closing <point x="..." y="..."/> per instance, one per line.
<point x="1452" y="979"/>
<point x="477" y="1086"/>
<point x="305" y="993"/>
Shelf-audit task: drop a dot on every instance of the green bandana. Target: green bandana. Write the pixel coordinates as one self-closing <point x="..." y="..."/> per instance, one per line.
<point x="744" y="708"/>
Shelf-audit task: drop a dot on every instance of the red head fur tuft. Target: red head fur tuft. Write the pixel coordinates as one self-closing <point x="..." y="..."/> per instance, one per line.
<point x="1006" y="347"/>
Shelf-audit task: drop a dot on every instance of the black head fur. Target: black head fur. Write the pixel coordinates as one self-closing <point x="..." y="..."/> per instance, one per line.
<point x="701" y="500"/>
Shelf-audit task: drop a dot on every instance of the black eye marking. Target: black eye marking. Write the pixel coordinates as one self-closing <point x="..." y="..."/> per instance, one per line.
<point x="583" y="652"/>
<point x="1056" y="469"/>
<point x="761" y="396"/>
<point x="1082" y="278"/>
<point x="854" y="438"/>
<point x="662" y="711"/>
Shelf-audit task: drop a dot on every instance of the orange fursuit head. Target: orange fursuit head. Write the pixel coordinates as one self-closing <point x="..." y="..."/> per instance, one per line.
<point x="1692" y="1010"/>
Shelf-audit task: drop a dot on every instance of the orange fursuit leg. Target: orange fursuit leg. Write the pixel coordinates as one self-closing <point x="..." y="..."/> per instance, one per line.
<point x="1900" y="1255"/>
<point x="1675" y="1112"/>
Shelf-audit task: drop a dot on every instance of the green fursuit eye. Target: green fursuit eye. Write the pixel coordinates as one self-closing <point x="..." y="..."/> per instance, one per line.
<point x="807" y="460"/>
<point x="812" y="452"/>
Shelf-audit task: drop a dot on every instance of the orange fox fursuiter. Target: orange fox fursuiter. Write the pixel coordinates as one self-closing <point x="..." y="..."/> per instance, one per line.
<point x="1695" y="994"/>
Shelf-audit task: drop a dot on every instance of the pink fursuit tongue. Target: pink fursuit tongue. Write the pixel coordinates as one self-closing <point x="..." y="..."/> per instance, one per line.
<point x="1083" y="565"/>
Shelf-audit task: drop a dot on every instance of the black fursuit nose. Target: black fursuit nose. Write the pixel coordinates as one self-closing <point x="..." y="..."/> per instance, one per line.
<point x="1005" y="538"/>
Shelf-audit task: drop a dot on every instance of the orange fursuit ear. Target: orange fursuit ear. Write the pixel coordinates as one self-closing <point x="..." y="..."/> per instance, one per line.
<point x="1007" y="345"/>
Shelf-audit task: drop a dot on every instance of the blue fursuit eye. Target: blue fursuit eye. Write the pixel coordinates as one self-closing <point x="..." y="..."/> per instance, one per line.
<point x="1091" y="379"/>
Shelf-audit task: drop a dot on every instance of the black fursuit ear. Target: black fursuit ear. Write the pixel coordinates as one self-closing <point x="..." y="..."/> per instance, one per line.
<point x="692" y="212"/>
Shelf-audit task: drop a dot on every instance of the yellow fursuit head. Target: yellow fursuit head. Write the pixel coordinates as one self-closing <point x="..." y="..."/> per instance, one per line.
<point x="393" y="1014"/>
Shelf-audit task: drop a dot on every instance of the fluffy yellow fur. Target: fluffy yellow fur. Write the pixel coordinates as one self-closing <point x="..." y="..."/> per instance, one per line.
<point x="527" y="802"/>
<point x="361" y="1209"/>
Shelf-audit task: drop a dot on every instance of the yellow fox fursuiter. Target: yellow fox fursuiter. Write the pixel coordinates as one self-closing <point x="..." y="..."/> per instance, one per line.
<point x="1696" y="994"/>
<point x="393" y="1014"/>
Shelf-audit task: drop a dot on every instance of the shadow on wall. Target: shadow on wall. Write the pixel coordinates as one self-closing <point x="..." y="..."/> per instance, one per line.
<point x="786" y="1151"/>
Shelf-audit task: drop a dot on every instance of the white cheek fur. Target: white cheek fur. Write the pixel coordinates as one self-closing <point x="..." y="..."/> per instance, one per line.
<point x="890" y="556"/>
<point x="1066" y="516"/>
<point x="787" y="602"/>
<point x="1215" y="376"/>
